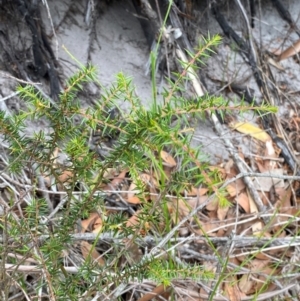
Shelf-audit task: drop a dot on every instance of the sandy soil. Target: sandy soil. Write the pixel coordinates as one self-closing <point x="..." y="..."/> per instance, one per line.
<point x="120" y="45"/>
<point x="117" y="43"/>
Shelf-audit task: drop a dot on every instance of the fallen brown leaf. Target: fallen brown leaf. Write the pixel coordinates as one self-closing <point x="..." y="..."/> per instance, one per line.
<point x="136" y="223"/>
<point x="86" y="223"/>
<point x="131" y="191"/>
<point x="222" y="212"/>
<point x="116" y="182"/>
<point x="88" y="251"/>
<point x="212" y="205"/>
<point x="257" y="226"/>
<point x="231" y="289"/>
<point x="275" y="64"/>
<point x="252" y="130"/>
<point x="290" y="51"/>
<point x="246" y="284"/>
<point x="284" y="197"/>
<point x="133" y="220"/>
<point x="168" y="160"/>
<point x="97" y="226"/>
<point x="243" y="201"/>
<point x="235" y="188"/>
<point x="180" y="208"/>
<point x="193" y="191"/>
<point x="134" y="200"/>
<point x="65" y="176"/>
<point x="230" y="169"/>
<point x="208" y="228"/>
<point x="160" y="290"/>
<point x="149" y="180"/>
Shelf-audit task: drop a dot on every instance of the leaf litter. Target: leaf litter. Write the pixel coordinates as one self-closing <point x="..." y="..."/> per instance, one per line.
<point x="257" y="253"/>
<point x="242" y="216"/>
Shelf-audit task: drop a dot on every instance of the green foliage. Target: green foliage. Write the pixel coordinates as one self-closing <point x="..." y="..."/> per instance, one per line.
<point x="136" y="138"/>
<point x="164" y="271"/>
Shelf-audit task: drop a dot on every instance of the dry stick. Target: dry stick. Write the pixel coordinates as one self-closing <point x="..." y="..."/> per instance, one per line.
<point x="175" y="21"/>
<point x="252" y="48"/>
<point x="29" y="82"/>
<point x="8" y="97"/>
<point x="161" y="21"/>
<point x="262" y="175"/>
<point x="33" y="268"/>
<point x="91" y="17"/>
<point x="89" y="9"/>
<point x="240" y="241"/>
<point x="52" y="27"/>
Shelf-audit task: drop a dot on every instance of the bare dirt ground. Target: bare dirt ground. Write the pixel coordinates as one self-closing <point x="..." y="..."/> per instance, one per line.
<point x="116" y="42"/>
